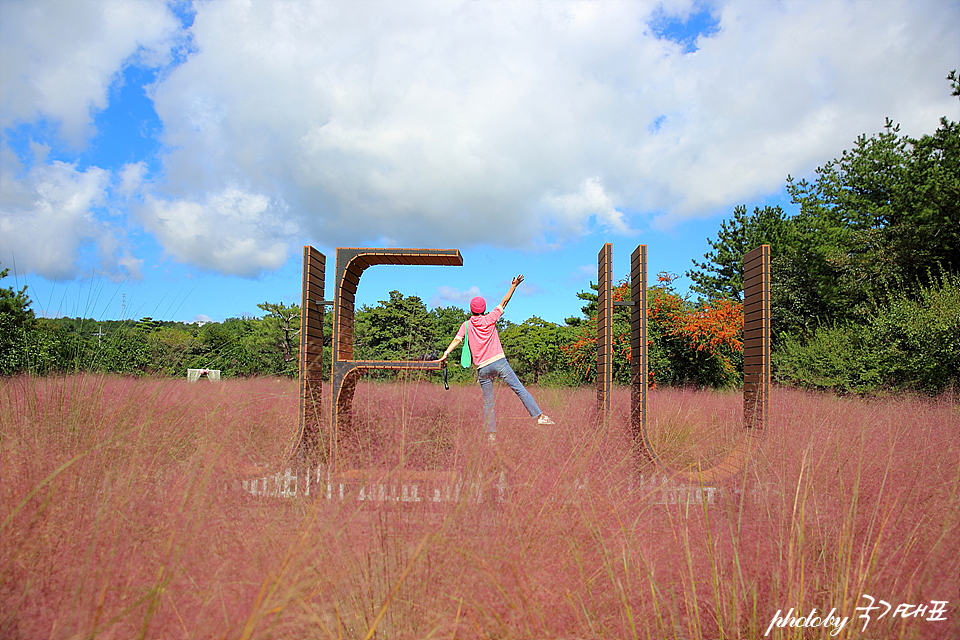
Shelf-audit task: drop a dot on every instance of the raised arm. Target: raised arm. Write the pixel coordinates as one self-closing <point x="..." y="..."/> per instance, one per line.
<point x="513" y="287"/>
<point x="453" y="345"/>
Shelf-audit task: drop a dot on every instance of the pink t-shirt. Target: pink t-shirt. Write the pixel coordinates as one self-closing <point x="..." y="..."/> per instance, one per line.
<point x="484" y="339"/>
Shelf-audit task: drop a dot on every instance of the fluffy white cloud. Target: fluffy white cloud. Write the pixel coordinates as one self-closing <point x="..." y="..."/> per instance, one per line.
<point x="45" y="216"/>
<point x="233" y="231"/>
<point x="446" y="295"/>
<point x="57" y="63"/>
<point x="574" y="209"/>
<point x="453" y="123"/>
<point x="442" y="123"/>
<point x="58" y="59"/>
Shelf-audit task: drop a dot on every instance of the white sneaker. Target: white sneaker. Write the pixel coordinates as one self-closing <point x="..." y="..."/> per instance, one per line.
<point x="492" y="437"/>
<point x="544" y="419"/>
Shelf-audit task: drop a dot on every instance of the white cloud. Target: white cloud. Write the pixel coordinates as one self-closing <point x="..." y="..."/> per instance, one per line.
<point x="233" y="231"/>
<point x="131" y="177"/>
<point x="583" y="273"/>
<point x="131" y="265"/>
<point x="57" y="63"/>
<point x="574" y="209"/>
<point x="515" y="124"/>
<point x="54" y="221"/>
<point x="459" y="123"/>
<point x="446" y="294"/>
<point x="45" y="216"/>
<point x="58" y="59"/>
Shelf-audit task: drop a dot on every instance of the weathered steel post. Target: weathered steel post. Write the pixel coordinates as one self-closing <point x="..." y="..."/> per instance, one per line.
<point x="604" y="333"/>
<point x="311" y="351"/>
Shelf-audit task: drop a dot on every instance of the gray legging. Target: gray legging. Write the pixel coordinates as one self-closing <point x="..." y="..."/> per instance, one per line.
<point x="501" y="369"/>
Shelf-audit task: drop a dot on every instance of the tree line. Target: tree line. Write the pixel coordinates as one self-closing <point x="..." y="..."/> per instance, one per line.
<point x="695" y="344"/>
<point x="865" y="289"/>
<point x="865" y="299"/>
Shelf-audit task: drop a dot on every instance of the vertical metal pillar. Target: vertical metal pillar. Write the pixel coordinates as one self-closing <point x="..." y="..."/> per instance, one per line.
<point x="311" y="351"/>
<point x="639" y="363"/>
<point x="604" y="332"/>
<point x="756" y="337"/>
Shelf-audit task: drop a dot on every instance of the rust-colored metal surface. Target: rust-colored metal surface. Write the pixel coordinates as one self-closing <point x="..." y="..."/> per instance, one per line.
<point x="639" y="363"/>
<point x="311" y="351"/>
<point x="756" y="337"/>
<point x="604" y="332"/>
<point x="756" y="388"/>
<point x="351" y="263"/>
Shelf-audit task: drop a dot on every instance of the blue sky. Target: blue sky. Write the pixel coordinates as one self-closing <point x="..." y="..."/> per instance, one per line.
<point x="170" y="159"/>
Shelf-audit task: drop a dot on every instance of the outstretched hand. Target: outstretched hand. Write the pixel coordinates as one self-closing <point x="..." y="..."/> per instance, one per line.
<point x="516" y="281"/>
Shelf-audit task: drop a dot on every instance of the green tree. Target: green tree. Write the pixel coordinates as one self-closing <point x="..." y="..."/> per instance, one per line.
<point x="15" y="305"/>
<point x="169" y="348"/>
<point x="865" y="294"/>
<point x="885" y="214"/>
<point x="148" y="325"/>
<point x="720" y="276"/>
<point x="589" y="310"/>
<point x="396" y="329"/>
<point x="283" y="322"/>
<point x="16" y="320"/>
<point x="911" y="341"/>
<point x="127" y="352"/>
<point x="446" y="322"/>
<point x="532" y="347"/>
<point x="578" y="341"/>
<point x="922" y="227"/>
<point x="221" y="346"/>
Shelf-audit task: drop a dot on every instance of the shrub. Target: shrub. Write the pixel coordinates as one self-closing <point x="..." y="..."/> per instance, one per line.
<point x="917" y="338"/>
<point x="911" y="342"/>
<point x="839" y="358"/>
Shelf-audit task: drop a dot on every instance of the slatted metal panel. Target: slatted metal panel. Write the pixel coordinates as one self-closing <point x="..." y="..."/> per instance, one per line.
<point x="351" y="263"/>
<point x="604" y="332"/>
<point x="756" y="369"/>
<point x="756" y="388"/>
<point x="639" y="363"/>
<point x="756" y="337"/>
<point x="311" y="349"/>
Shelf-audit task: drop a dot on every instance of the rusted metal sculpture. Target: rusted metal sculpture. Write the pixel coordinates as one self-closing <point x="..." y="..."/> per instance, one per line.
<point x="351" y="263"/>
<point x="756" y="349"/>
<point x="345" y="371"/>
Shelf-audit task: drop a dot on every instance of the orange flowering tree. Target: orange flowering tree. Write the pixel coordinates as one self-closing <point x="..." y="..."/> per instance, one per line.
<point x="580" y="350"/>
<point x="698" y="344"/>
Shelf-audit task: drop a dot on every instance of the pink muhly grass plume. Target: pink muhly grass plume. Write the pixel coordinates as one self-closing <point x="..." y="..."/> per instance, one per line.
<point x="125" y="514"/>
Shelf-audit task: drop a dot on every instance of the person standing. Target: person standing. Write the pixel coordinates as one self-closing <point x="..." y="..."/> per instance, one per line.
<point x="480" y="331"/>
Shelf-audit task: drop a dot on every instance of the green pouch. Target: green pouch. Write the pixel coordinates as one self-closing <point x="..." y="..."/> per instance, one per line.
<point x="465" y="359"/>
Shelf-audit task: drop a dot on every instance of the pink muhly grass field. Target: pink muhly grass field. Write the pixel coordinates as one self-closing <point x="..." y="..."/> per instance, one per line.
<point x="124" y="516"/>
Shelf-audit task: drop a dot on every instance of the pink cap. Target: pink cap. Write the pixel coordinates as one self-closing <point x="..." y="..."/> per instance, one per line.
<point x="478" y="305"/>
